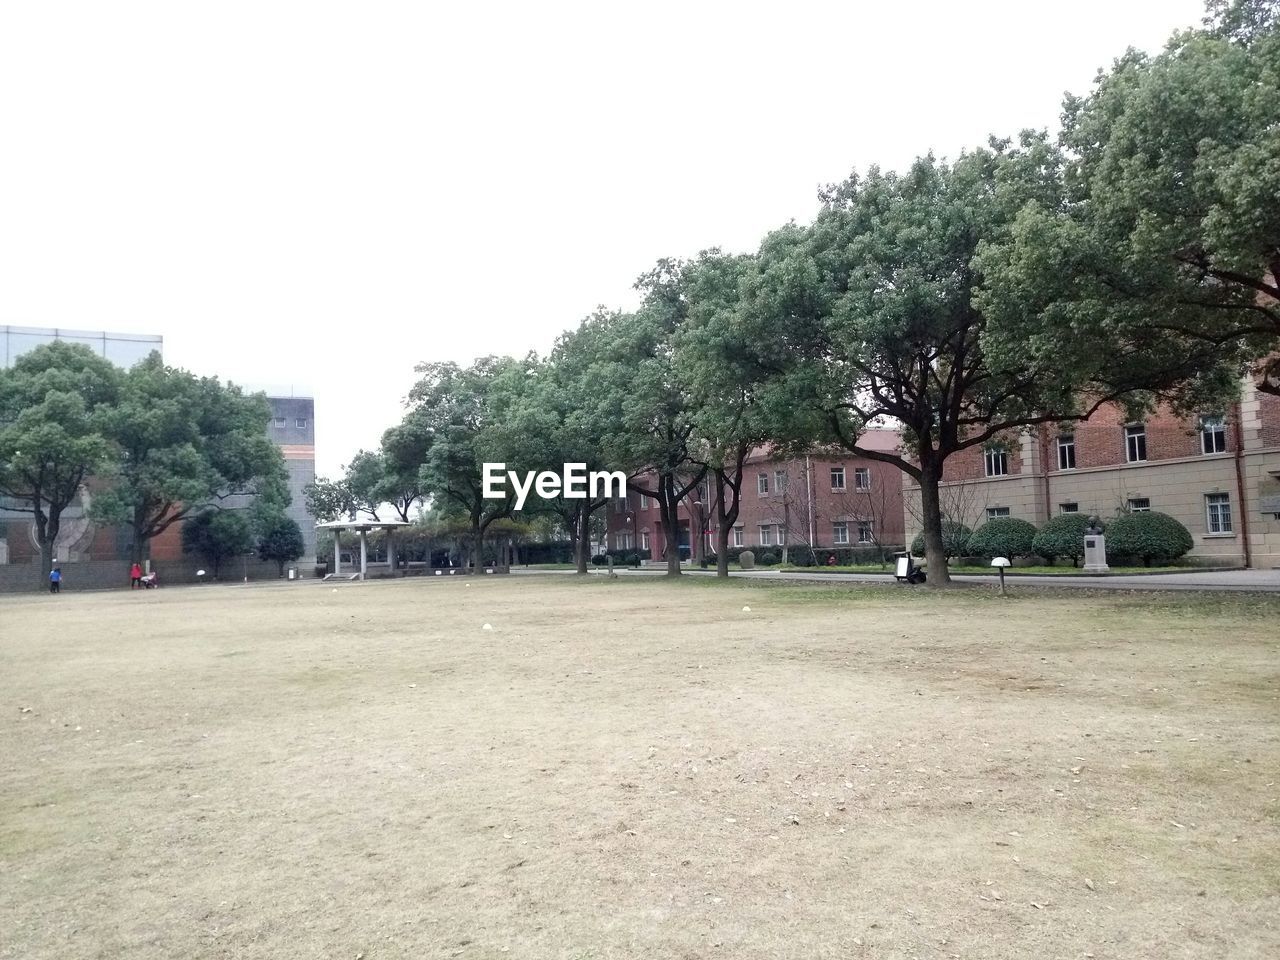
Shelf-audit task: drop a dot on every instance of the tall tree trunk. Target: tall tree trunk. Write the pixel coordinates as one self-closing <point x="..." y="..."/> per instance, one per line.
<point x="722" y="547"/>
<point x="583" y="545"/>
<point x="931" y="514"/>
<point x="670" y="511"/>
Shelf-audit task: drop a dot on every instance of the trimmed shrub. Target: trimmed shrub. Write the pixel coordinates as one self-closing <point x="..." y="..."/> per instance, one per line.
<point x="621" y="558"/>
<point x="1149" y="536"/>
<point x="766" y="558"/>
<point x="746" y="559"/>
<point x="955" y="539"/>
<point x="1061" y="536"/>
<point x="1002" y="537"/>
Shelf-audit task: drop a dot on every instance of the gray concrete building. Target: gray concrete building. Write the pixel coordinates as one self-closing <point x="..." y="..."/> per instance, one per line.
<point x="293" y="429"/>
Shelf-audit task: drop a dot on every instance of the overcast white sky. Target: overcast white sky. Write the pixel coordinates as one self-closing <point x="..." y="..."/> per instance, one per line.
<point x="319" y="195"/>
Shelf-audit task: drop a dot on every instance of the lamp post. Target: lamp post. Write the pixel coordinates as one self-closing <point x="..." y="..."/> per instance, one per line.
<point x="1000" y="563"/>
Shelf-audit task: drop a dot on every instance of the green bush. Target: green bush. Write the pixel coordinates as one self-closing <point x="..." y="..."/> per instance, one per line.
<point x="955" y="540"/>
<point x="766" y="558"/>
<point x="1002" y="537"/>
<point x="1061" y="536"/>
<point x="1148" y="536"/>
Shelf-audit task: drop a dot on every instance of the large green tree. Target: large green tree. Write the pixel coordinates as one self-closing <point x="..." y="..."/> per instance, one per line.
<point x="183" y="442"/>
<point x="641" y="403"/>
<point x="740" y="398"/>
<point x="874" y="307"/>
<point x="218" y="536"/>
<point x="456" y="406"/>
<point x="279" y="538"/>
<point x="1169" y="221"/>
<point x="52" y="406"/>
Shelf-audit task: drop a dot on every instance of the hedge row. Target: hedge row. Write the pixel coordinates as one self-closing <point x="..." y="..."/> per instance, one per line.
<point x="1147" y="537"/>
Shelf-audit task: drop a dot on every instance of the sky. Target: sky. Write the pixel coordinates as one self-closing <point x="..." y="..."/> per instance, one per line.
<point x="314" y="197"/>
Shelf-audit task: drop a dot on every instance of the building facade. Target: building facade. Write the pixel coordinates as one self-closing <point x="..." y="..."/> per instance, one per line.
<point x="819" y="501"/>
<point x="293" y="429"/>
<point x="1219" y="475"/>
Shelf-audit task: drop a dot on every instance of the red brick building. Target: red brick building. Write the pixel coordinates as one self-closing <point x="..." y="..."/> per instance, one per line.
<point x="819" y="501"/>
<point x="1217" y="474"/>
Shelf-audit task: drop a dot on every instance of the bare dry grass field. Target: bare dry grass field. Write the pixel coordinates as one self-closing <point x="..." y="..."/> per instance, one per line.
<point x="638" y="769"/>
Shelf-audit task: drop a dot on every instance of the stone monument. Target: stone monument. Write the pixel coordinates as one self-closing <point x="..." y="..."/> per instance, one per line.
<point x="1095" y="548"/>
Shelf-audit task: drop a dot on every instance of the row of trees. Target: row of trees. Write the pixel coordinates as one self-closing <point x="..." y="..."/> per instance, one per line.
<point x="157" y="445"/>
<point x="1132" y="259"/>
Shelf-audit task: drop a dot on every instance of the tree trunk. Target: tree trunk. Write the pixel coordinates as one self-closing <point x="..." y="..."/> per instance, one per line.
<point x="722" y="551"/>
<point x="931" y="514"/>
<point x="583" y="544"/>
<point x="670" y="511"/>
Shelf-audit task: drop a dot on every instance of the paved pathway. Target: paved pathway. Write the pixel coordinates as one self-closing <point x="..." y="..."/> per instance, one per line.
<point x="1257" y="581"/>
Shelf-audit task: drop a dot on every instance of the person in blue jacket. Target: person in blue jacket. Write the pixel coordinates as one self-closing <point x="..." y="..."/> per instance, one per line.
<point x="55" y="580"/>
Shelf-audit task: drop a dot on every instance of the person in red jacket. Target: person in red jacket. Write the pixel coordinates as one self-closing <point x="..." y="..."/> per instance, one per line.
<point x="135" y="576"/>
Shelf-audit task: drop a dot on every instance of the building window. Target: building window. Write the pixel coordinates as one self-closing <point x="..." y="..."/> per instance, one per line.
<point x="1068" y="508"/>
<point x="1213" y="435"/>
<point x="300" y="423"/>
<point x="997" y="461"/>
<point x="861" y="478"/>
<point x="620" y="505"/>
<point x="1218" y="511"/>
<point x="766" y="535"/>
<point x="622" y="540"/>
<point x="1135" y="443"/>
<point x="280" y="422"/>
<point x="993" y="512"/>
<point x="737" y="535"/>
<point x="780" y="481"/>
<point x="839" y="532"/>
<point x="762" y="484"/>
<point x="1067" y="451"/>
<point x="837" y="479"/>
<point x="644" y="541"/>
<point x="1139" y="504"/>
<point x="864" y="532"/>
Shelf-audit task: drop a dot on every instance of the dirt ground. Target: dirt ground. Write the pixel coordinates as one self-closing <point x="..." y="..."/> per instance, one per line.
<point x="638" y="769"/>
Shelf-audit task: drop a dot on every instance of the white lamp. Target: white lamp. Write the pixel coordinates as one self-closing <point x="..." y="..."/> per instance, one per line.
<point x="1000" y="563"/>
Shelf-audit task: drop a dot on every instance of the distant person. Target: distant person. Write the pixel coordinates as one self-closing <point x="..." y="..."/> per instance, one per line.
<point x="135" y="576"/>
<point x="55" y="580"/>
<point x="152" y="579"/>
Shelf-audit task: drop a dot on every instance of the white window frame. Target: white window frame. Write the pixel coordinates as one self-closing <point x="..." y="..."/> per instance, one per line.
<point x="644" y="540"/>
<point x="1075" y="507"/>
<point x="866" y="532"/>
<point x="1135" y="443"/>
<point x="839" y="533"/>
<point x="280" y="422"/>
<point x="837" y="479"/>
<point x="1066" y="451"/>
<point x="1139" y="504"/>
<point x="1213" y="433"/>
<point x="738" y="535"/>
<point x="762" y="484"/>
<point x="779" y="481"/>
<point x="862" y="478"/>
<point x="1217" y="513"/>
<point x="994" y="457"/>
<point x="993" y="512"/>
<point x="300" y="423"/>
<point x="766" y="534"/>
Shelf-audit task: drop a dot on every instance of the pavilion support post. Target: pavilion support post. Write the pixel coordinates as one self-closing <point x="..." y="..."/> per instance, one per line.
<point x="337" y="552"/>
<point x="391" y="551"/>
<point x="364" y="554"/>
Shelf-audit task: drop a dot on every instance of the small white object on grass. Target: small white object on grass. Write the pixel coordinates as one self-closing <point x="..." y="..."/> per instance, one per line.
<point x="199" y="573"/>
<point x="487" y="627"/>
<point x="467" y="585"/>
<point x="746" y="609"/>
<point x="335" y="589"/>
